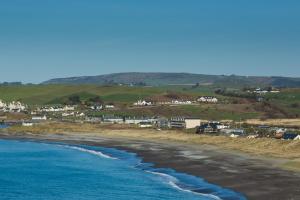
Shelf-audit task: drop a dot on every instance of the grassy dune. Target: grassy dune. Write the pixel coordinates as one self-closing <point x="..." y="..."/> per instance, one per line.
<point x="272" y="148"/>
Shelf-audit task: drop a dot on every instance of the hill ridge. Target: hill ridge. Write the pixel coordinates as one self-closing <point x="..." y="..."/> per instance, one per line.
<point x="166" y="78"/>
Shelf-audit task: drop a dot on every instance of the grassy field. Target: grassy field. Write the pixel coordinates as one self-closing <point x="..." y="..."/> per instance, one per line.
<point x="208" y="112"/>
<point x="281" y="105"/>
<point x="52" y="94"/>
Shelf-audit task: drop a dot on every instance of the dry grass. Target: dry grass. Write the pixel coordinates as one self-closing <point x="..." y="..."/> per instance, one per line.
<point x="275" y="122"/>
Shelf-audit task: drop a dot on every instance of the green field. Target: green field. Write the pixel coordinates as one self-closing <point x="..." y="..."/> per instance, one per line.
<point x="281" y="105"/>
<point x="200" y="111"/>
<point x="52" y="94"/>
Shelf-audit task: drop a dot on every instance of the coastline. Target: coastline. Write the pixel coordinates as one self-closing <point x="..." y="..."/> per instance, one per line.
<point x="255" y="177"/>
<point x="283" y="154"/>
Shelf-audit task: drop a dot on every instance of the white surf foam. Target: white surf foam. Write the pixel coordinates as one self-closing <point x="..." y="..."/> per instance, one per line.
<point x="171" y="180"/>
<point x="97" y="153"/>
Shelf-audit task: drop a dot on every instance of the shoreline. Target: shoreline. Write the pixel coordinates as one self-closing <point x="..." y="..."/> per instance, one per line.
<point x="250" y="175"/>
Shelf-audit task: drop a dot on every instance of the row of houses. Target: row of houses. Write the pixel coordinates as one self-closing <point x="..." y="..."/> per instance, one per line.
<point x="202" y="99"/>
<point x="102" y="107"/>
<point x="73" y="114"/>
<point x="34" y="120"/>
<point x="14" y="106"/>
<point x="56" y="108"/>
<point x="159" y="122"/>
<point x="263" y="91"/>
<point x="207" y="99"/>
<point x="271" y="132"/>
<point x="212" y="127"/>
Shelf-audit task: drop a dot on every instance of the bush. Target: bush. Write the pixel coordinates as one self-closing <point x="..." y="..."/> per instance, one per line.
<point x="295" y="105"/>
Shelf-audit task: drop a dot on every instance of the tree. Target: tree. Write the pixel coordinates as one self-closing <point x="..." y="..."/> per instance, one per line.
<point x="96" y="100"/>
<point x="74" y="100"/>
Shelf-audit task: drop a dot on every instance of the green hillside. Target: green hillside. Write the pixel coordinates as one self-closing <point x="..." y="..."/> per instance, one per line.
<point x="53" y="94"/>
<point x="159" y="79"/>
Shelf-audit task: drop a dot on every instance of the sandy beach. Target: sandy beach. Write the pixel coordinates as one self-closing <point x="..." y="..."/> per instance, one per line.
<point x="256" y="176"/>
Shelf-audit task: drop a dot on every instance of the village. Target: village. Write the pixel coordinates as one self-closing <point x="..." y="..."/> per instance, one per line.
<point x="92" y="114"/>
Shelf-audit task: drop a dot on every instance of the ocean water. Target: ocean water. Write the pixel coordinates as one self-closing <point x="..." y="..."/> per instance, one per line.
<point x="32" y="170"/>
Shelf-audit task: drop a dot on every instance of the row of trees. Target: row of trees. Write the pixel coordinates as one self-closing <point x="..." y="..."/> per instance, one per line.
<point x="77" y="100"/>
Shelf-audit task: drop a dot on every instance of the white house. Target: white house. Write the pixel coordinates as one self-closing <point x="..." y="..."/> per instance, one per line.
<point x="2" y="104"/>
<point x="27" y="124"/>
<point x="109" y="106"/>
<point x="65" y="114"/>
<point x="52" y="109"/>
<point x="207" y="99"/>
<point x="39" y="118"/>
<point x="260" y="91"/>
<point x="145" y="125"/>
<point x="96" y="107"/>
<point x="80" y="114"/>
<point x="180" y="102"/>
<point x="142" y="103"/>
<point x="16" y="106"/>
<point x="69" y="108"/>
<point x="222" y="126"/>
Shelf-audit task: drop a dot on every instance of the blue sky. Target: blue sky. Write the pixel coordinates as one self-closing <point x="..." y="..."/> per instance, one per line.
<point x="42" y="39"/>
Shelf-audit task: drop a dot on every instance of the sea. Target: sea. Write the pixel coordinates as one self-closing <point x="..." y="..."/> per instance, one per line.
<point x="55" y="171"/>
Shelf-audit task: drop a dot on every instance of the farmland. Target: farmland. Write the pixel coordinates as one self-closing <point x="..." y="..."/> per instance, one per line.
<point x="281" y="105"/>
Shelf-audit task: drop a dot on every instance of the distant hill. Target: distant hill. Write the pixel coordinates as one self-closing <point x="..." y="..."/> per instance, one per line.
<point x="157" y="79"/>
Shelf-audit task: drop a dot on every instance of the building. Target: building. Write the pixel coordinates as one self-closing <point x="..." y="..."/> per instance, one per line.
<point x="133" y="120"/>
<point x="143" y="103"/>
<point x="96" y="107"/>
<point x="162" y="123"/>
<point x="289" y="136"/>
<point x="145" y="125"/>
<point x="39" y="118"/>
<point x="52" y="109"/>
<point x="180" y="102"/>
<point x="192" y="122"/>
<point x="177" y="123"/>
<point x="297" y="138"/>
<point x="207" y="128"/>
<point x="80" y="114"/>
<point x="69" y="108"/>
<point x="65" y="114"/>
<point x="113" y="119"/>
<point x="221" y="126"/>
<point x="260" y="91"/>
<point x="93" y="119"/>
<point x="27" y="124"/>
<point x="14" y="106"/>
<point x="109" y="106"/>
<point x="236" y="132"/>
<point x="207" y="99"/>
<point x="2" y="105"/>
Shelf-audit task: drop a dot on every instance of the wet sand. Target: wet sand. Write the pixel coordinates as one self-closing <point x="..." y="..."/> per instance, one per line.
<point x="255" y="177"/>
